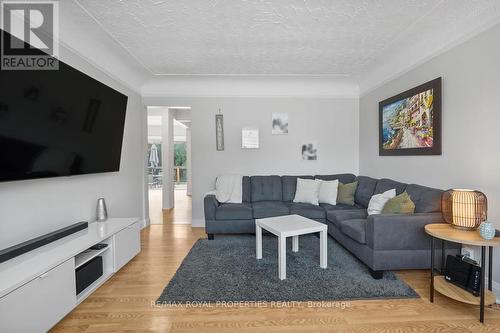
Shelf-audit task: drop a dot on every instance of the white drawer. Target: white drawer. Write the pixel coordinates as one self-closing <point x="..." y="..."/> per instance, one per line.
<point x="127" y="245"/>
<point x="41" y="303"/>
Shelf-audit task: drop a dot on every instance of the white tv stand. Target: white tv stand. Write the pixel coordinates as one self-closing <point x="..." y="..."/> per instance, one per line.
<point x="37" y="289"/>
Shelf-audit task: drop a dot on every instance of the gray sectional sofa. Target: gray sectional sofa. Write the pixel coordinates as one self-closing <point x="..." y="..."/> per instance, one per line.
<point x="382" y="242"/>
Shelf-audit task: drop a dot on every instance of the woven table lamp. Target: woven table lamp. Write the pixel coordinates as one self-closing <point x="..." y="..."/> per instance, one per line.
<point x="464" y="209"/>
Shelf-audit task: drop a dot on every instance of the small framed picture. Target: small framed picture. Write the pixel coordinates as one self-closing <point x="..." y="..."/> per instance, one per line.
<point x="250" y="138"/>
<point x="219" y="132"/>
<point x="309" y="151"/>
<point x="280" y="123"/>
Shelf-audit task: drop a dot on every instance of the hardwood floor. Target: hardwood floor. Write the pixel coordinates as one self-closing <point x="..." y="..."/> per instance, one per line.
<point x="124" y="303"/>
<point x="180" y="215"/>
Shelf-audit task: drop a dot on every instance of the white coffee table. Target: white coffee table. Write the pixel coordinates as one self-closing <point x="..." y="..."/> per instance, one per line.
<point x="290" y="226"/>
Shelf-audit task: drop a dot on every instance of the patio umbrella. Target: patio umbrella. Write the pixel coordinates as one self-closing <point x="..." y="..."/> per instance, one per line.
<point x="154" y="161"/>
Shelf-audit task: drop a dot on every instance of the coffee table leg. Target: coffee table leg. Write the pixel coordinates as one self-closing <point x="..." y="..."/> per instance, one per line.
<point x="282" y="257"/>
<point x="323" y="251"/>
<point x="258" y="241"/>
<point x="295" y="243"/>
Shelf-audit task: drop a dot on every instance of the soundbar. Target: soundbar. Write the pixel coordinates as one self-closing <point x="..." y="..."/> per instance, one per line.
<point x="30" y="245"/>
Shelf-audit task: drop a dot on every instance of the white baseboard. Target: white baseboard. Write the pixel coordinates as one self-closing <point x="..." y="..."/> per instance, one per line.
<point x="145" y="222"/>
<point x="496" y="289"/>
<point x="198" y="223"/>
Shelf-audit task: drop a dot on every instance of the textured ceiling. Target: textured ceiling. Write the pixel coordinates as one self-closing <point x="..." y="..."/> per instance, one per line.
<point x="276" y="37"/>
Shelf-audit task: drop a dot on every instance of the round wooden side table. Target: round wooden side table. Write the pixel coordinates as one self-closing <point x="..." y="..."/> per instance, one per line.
<point x="446" y="232"/>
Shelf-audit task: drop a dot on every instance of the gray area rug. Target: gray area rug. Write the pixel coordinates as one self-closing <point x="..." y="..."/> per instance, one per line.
<point x="225" y="269"/>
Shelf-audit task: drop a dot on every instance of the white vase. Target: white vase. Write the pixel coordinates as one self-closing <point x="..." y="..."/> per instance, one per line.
<point x="487" y="230"/>
<point x="101" y="210"/>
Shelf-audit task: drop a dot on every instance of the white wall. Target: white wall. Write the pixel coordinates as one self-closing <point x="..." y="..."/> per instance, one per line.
<point x="470" y="121"/>
<point x="189" y="190"/>
<point x="332" y="122"/>
<point x="167" y="158"/>
<point x="35" y="207"/>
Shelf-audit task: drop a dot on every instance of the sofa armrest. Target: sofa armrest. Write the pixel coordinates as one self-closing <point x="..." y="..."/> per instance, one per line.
<point x="211" y="204"/>
<point x="400" y="231"/>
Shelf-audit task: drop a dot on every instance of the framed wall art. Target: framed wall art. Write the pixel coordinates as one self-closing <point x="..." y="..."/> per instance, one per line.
<point x="219" y="132"/>
<point x="250" y="138"/>
<point x="280" y="123"/>
<point x="410" y="123"/>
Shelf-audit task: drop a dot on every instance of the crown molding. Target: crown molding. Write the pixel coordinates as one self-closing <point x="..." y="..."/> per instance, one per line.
<point x="251" y="86"/>
<point x="81" y="36"/>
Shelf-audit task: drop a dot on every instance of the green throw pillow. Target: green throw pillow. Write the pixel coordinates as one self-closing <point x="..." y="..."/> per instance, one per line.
<point x="400" y="204"/>
<point x="345" y="194"/>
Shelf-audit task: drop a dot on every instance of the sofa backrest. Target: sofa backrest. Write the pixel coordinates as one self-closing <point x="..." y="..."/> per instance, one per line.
<point x="385" y="184"/>
<point x="290" y="185"/>
<point x="344" y="178"/>
<point x="365" y="190"/>
<point x="426" y="199"/>
<point x="276" y="188"/>
<point x="246" y="189"/>
<point x="266" y="188"/>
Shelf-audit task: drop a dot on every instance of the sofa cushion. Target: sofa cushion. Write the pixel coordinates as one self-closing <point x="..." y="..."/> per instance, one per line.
<point x="365" y="190"/>
<point x="345" y="193"/>
<point x="328" y="191"/>
<point x="337" y="216"/>
<point x="246" y="189"/>
<point x="385" y="184"/>
<point x="266" y="188"/>
<point x="342" y="177"/>
<point x="355" y="229"/>
<point x="307" y="191"/>
<point x="307" y="210"/>
<point x="290" y="185"/>
<point x="400" y="204"/>
<point x="234" y="211"/>
<point x="263" y="209"/>
<point x="426" y="199"/>
<point x="378" y="201"/>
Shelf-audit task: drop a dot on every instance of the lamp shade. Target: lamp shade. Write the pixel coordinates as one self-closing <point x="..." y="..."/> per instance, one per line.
<point x="464" y="209"/>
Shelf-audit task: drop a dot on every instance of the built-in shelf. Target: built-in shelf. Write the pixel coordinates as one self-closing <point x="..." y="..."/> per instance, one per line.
<point x="88" y="255"/>
<point x="452" y="291"/>
<point x="51" y="270"/>
<point x="90" y="289"/>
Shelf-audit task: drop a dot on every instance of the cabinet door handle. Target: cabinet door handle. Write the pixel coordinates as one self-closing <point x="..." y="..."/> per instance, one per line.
<point x="44" y="275"/>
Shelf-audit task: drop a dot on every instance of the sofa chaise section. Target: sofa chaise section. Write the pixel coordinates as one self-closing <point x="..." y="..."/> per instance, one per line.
<point x="231" y="218"/>
<point x="388" y="241"/>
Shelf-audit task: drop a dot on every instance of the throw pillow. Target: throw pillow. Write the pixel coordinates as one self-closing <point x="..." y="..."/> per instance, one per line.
<point x="307" y="191"/>
<point x="400" y="204"/>
<point x="328" y="191"/>
<point x="346" y="193"/>
<point x="378" y="201"/>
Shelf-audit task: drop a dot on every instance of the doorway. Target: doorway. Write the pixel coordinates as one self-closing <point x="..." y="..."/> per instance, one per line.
<point x="169" y="165"/>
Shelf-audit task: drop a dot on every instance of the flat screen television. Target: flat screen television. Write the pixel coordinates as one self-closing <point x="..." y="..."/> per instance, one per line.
<point x="58" y="123"/>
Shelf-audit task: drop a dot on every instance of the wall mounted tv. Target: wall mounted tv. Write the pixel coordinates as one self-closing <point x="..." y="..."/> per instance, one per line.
<point x="58" y="123"/>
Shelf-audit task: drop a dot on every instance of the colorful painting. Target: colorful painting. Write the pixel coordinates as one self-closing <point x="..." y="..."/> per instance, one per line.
<point x="410" y="122"/>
